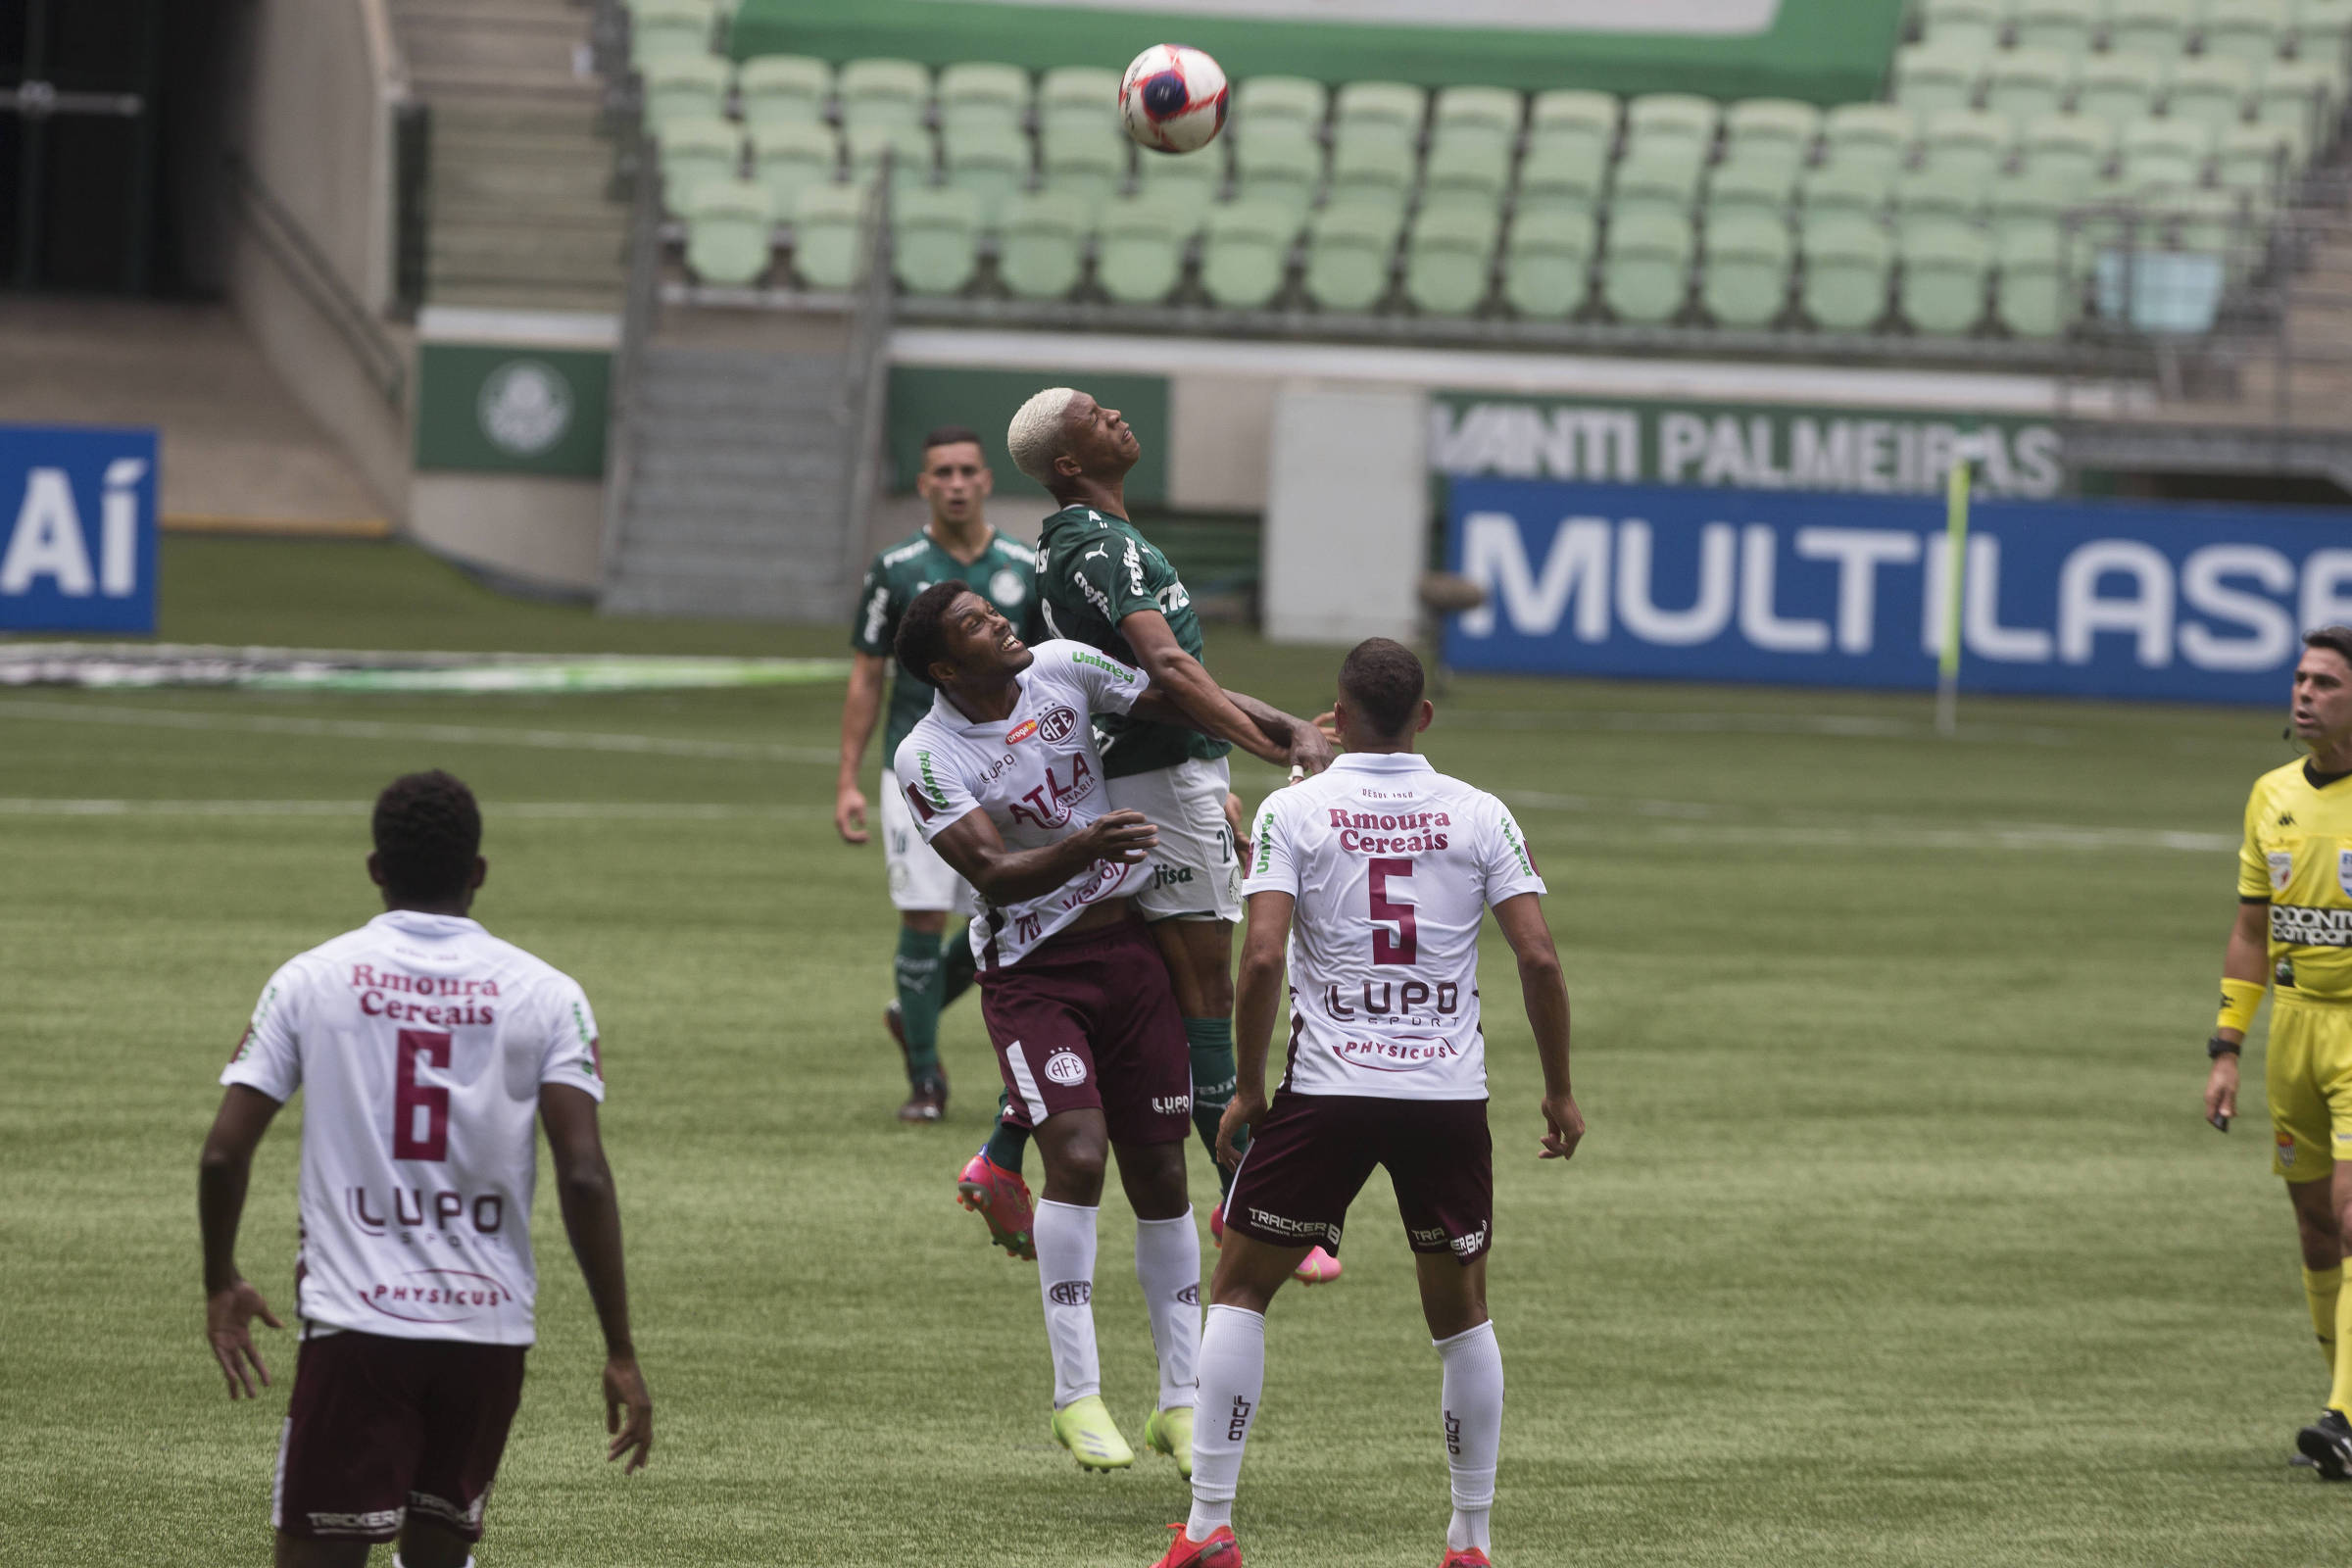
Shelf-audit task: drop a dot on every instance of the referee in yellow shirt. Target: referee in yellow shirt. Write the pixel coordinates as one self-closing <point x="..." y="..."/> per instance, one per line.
<point x="2294" y="934"/>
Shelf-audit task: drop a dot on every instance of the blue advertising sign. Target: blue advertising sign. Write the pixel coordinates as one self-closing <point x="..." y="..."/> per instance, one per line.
<point x="77" y="529"/>
<point x="2089" y="598"/>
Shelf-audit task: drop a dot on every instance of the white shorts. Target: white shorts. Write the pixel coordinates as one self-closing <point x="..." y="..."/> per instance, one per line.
<point x="1195" y="872"/>
<point x="918" y="878"/>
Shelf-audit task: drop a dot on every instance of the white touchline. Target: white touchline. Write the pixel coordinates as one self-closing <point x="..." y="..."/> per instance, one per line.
<point x="544" y="811"/>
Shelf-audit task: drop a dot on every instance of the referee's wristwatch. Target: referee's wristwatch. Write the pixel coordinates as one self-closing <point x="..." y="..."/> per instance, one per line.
<point x="2218" y="1046"/>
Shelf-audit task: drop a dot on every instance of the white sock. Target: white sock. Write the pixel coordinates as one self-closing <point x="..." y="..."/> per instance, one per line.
<point x="397" y="1563"/>
<point x="1473" y="1415"/>
<point x="1168" y="1265"/>
<point x="1064" y="1236"/>
<point x="1233" y="1369"/>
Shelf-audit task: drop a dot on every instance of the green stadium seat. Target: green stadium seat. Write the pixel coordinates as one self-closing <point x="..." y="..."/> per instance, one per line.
<point x="1373" y="170"/>
<point x="2030" y="201"/>
<point x="1928" y="207"/>
<point x="1041" y="243"/>
<point x="1928" y="79"/>
<point x="1398" y="106"/>
<point x="1570" y="175"/>
<point x="1456" y="167"/>
<point x="2299" y="95"/>
<point x="1450" y="259"/>
<point x="1943" y="284"/>
<point x="882" y="94"/>
<point x="1477" y="117"/>
<point x="1744" y="279"/>
<point x="908" y="146"/>
<point x="2212" y="222"/>
<point x="1877" y="136"/>
<point x="1281" y="165"/>
<point x="1654" y="184"/>
<point x="1972" y="24"/>
<point x="980" y="97"/>
<point x="2023" y="84"/>
<point x="2029" y="296"/>
<point x="1570" y="120"/>
<point x="2061" y="27"/>
<point x="1089" y="164"/>
<point x="1970" y="145"/>
<point x="2322" y="28"/>
<point x="1139" y="249"/>
<point x="2071" y="150"/>
<point x="2210" y="91"/>
<point x="935" y="238"/>
<point x="828" y="235"/>
<point x="1262" y="100"/>
<point x="1245" y="252"/>
<point x="1676" y="124"/>
<point x="1349" y="255"/>
<point x="727" y="231"/>
<point x="1848" y="264"/>
<point x="1740" y="188"/>
<point x="991" y="165"/>
<point x="1548" y="263"/>
<point x="1771" y="130"/>
<point x="1850" y="190"/>
<point x="2118" y="89"/>
<point x="665" y="29"/>
<point x="2153" y="30"/>
<point x="1078" y="97"/>
<point x="2254" y="158"/>
<point x="685" y="87"/>
<point x="1186" y="186"/>
<point x="784" y="91"/>
<point x="695" y="153"/>
<point x="2251" y="31"/>
<point x="790" y="156"/>
<point x="2165" y="152"/>
<point x="1645" y="267"/>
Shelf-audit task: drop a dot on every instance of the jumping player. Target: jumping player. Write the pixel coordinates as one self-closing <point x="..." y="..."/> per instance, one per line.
<point x="1104" y="584"/>
<point x="425" y="1045"/>
<point x="1378" y="875"/>
<point x="1006" y="780"/>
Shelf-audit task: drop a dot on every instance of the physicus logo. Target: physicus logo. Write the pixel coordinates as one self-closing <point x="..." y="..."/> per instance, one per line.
<point x="1065" y="1067"/>
<point x="1007" y="587"/>
<point x="524" y="407"/>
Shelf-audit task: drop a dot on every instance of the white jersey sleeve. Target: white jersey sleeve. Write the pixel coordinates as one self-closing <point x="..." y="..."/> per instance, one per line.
<point x="269" y="1056"/>
<point x="1511" y="867"/>
<point x="574" y="1055"/>
<point x="1108" y="686"/>
<point x="935" y="791"/>
<point x="1272" y="868"/>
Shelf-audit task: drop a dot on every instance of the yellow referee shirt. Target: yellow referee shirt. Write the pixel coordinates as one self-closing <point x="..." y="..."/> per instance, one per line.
<point x="2298" y="855"/>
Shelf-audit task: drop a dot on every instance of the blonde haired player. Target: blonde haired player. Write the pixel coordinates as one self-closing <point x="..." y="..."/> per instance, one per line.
<point x="2294" y="937"/>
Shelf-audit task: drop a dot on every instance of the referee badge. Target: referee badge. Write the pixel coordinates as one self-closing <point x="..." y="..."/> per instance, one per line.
<point x="2283" y="866"/>
<point x="2343" y="872"/>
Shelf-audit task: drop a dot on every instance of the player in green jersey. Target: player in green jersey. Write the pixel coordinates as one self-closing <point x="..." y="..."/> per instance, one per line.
<point x="1102" y="583"/>
<point x="955" y="543"/>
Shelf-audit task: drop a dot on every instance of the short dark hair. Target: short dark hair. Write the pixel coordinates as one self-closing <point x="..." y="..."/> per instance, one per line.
<point x="922" y="639"/>
<point x="948" y="435"/>
<point x="2338" y="640"/>
<point x="1383" y="679"/>
<point x="429" y="833"/>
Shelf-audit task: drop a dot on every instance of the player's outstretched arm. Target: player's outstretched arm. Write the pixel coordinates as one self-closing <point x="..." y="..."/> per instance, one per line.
<point x="1545" y="993"/>
<point x="1258" y="1000"/>
<point x="861" y="707"/>
<point x="2245" y="961"/>
<point x="1200" y="703"/>
<point x="230" y="1304"/>
<point x="592" y="1220"/>
<point x="972" y="845"/>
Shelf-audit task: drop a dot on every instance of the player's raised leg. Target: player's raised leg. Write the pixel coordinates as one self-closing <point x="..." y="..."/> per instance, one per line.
<point x="989" y="1184"/>
<point x="1453" y="1302"/>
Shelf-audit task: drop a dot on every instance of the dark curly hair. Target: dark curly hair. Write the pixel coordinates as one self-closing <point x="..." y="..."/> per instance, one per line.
<point x="428" y="832"/>
<point x="922" y="639"/>
<point x="1383" y="679"/>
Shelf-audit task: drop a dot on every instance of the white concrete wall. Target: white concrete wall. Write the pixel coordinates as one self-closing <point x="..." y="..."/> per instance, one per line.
<point x="541" y="532"/>
<point x="1347" y="512"/>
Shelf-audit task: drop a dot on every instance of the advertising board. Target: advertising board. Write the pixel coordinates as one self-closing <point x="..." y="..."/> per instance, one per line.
<point x="77" y="528"/>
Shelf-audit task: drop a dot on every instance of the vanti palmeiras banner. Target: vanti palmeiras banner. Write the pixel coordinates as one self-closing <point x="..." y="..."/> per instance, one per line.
<point x="2087" y="599"/>
<point x="77" y="529"/>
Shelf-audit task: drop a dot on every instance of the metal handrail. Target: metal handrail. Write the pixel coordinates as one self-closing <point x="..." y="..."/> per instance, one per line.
<point x="639" y="308"/>
<point x="306" y="266"/>
<point x="867" y="389"/>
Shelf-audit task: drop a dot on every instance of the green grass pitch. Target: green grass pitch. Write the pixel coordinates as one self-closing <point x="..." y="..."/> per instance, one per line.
<point x="1898" y="1239"/>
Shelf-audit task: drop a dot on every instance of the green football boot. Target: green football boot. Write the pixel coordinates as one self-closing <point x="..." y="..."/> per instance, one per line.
<point x="1086" y="1429"/>
<point x="1170" y="1431"/>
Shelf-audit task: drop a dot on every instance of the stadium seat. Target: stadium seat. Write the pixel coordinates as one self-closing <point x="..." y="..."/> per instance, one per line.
<point x="990" y="164"/>
<point x="1464" y="167"/>
<point x="1928" y="79"/>
<point x="2254" y="158"/>
<point x="1929" y="206"/>
<point x="878" y="93"/>
<point x="2210" y="91"/>
<point x="694" y="153"/>
<point x="1972" y="24"/>
<point x="828" y="235"/>
<point x="789" y="156"/>
<point x="664" y="28"/>
<point x="1091" y="165"/>
<point x="1758" y="131"/>
<point x="1374" y="169"/>
<point x="1246" y="252"/>
<point x="979" y="97"/>
<point x="1349" y="255"/>
<point x="1744" y="279"/>
<point x="1966" y="144"/>
<point x="1083" y="98"/>
<point x="727" y="225"/>
<point x="1877" y="136"/>
<point x="1738" y="188"/>
<point x="684" y="87"/>
<point x="1944" y="282"/>
<point x="2251" y="31"/>
<point x="1139" y="249"/>
<point x="2029" y="294"/>
<point x="1397" y="109"/>
<point x="1671" y="123"/>
<point x="1645" y="265"/>
<point x="2023" y="84"/>
<point x="784" y="89"/>
<point x="1848" y="263"/>
<point x="2165" y="152"/>
<point x="1450" y="259"/>
<point x="1477" y="117"/>
<point x="1261" y="100"/>
<point x="1547" y="262"/>
<point x="1571" y="175"/>
<point x="1850" y="190"/>
<point x="1651" y="183"/>
<point x="2118" y="89"/>
<point x="1567" y="119"/>
<point x="908" y="146"/>
<point x="2299" y="95"/>
<point x="1283" y="165"/>
<point x="1041" y="243"/>
<point x="2152" y="30"/>
<point x="1186" y="186"/>
<point x="935" y="238"/>
<point x="2322" y="29"/>
<point x="2029" y="203"/>
<point x="2061" y="27"/>
<point x="2071" y="150"/>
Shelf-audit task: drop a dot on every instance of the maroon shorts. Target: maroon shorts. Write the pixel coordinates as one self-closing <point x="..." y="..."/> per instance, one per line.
<point x="1089" y="1021"/>
<point x="381" y="1428"/>
<point x="1313" y="1154"/>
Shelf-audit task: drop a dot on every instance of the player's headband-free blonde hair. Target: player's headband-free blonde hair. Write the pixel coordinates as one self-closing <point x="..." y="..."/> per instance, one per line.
<point x="1035" y="438"/>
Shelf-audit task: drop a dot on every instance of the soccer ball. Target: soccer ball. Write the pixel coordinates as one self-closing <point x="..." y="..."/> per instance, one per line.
<point x="1173" y="98"/>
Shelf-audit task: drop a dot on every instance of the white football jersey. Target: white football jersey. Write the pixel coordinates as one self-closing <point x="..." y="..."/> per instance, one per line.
<point x="1038" y="776"/>
<point x="421" y="1042"/>
<point x="1394" y="866"/>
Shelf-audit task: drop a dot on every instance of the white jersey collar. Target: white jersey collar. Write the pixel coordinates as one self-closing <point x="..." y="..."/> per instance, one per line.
<point x="962" y="723"/>
<point x="1382" y="763"/>
<point x="417" y="923"/>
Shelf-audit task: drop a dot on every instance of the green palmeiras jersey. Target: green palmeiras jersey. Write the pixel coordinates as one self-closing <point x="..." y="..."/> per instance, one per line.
<point x="1093" y="572"/>
<point x="1005" y="575"/>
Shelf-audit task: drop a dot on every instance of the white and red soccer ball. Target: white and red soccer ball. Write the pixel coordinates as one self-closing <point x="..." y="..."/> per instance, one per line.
<point x="1173" y="98"/>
